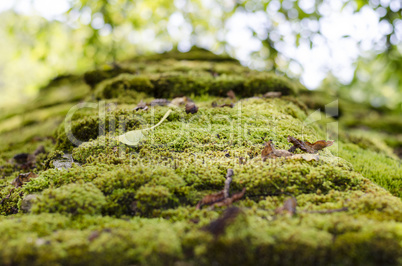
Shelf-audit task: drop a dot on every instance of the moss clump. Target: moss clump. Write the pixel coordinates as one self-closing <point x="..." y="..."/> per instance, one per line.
<point x="173" y="84"/>
<point x="89" y="127"/>
<point x="94" y="77"/>
<point x="74" y="199"/>
<point x="383" y="170"/>
<point x="125" y="85"/>
<point x="150" y="198"/>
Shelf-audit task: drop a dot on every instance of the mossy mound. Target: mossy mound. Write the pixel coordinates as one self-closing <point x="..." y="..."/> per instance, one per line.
<point x="119" y="204"/>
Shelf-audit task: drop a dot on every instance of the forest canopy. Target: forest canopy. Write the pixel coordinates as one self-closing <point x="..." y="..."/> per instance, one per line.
<point x="350" y="48"/>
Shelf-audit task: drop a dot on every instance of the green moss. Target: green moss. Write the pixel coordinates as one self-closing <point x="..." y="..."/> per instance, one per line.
<point x="383" y="170"/>
<point x="75" y="199"/>
<point x="368" y="141"/>
<point x="125" y="86"/>
<point x="173" y="84"/>
<point x="94" y="77"/>
<point x="136" y="205"/>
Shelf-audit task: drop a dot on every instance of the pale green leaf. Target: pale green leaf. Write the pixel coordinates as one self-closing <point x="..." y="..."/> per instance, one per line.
<point x="133" y="138"/>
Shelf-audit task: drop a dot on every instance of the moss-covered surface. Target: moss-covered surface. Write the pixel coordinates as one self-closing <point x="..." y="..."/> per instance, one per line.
<point x="136" y="205"/>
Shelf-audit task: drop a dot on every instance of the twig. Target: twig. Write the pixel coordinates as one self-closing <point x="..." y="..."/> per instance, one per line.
<point x="227" y="183"/>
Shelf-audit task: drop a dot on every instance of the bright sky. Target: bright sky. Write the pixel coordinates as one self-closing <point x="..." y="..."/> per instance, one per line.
<point x="333" y="53"/>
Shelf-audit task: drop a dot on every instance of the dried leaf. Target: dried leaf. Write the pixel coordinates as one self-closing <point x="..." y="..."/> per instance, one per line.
<point x="307" y="146"/>
<point x="319" y="145"/>
<point x="215" y="104"/>
<point x="231" y="95"/>
<point x="228" y="201"/>
<point x="191" y="108"/>
<point x="210" y="199"/>
<point x="298" y="144"/>
<point x="133" y="138"/>
<point x="289" y="206"/>
<point x="23" y="178"/>
<point x="93" y="236"/>
<point x="269" y="151"/>
<point x="231" y="105"/>
<point x="218" y="226"/>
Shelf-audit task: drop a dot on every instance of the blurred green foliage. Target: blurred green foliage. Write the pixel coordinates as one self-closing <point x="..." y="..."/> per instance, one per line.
<point x="94" y="32"/>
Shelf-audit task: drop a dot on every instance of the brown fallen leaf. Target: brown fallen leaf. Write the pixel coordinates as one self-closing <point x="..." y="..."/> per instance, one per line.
<point x="93" y="236"/>
<point x="289" y="206"/>
<point x="191" y="108"/>
<point x="210" y="199"/>
<point x="231" y="95"/>
<point x="230" y="200"/>
<point x="23" y="178"/>
<point x="215" y="104"/>
<point x="320" y="144"/>
<point x="307" y="146"/>
<point x="218" y="226"/>
<point x="269" y="151"/>
<point x="231" y="105"/>
<point x="298" y="144"/>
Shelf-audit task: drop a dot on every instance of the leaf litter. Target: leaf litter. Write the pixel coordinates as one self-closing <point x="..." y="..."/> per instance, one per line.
<point x="133" y="138"/>
<point x="222" y="198"/>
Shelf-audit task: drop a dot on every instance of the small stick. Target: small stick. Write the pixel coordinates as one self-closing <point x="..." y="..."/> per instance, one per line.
<point x="227" y="183"/>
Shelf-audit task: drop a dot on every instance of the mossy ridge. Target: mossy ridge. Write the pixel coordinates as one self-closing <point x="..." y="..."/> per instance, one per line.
<point x="173" y="84"/>
<point x="182" y="174"/>
<point x="277" y="119"/>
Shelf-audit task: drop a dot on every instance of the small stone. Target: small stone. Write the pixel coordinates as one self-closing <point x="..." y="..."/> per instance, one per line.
<point x="181" y="100"/>
<point x="191" y="108"/>
<point x="65" y="162"/>
<point x="159" y="102"/>
<point x="26" y="203"/>
<point x="273" y="94"/>
<point x="141" y="106"/>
